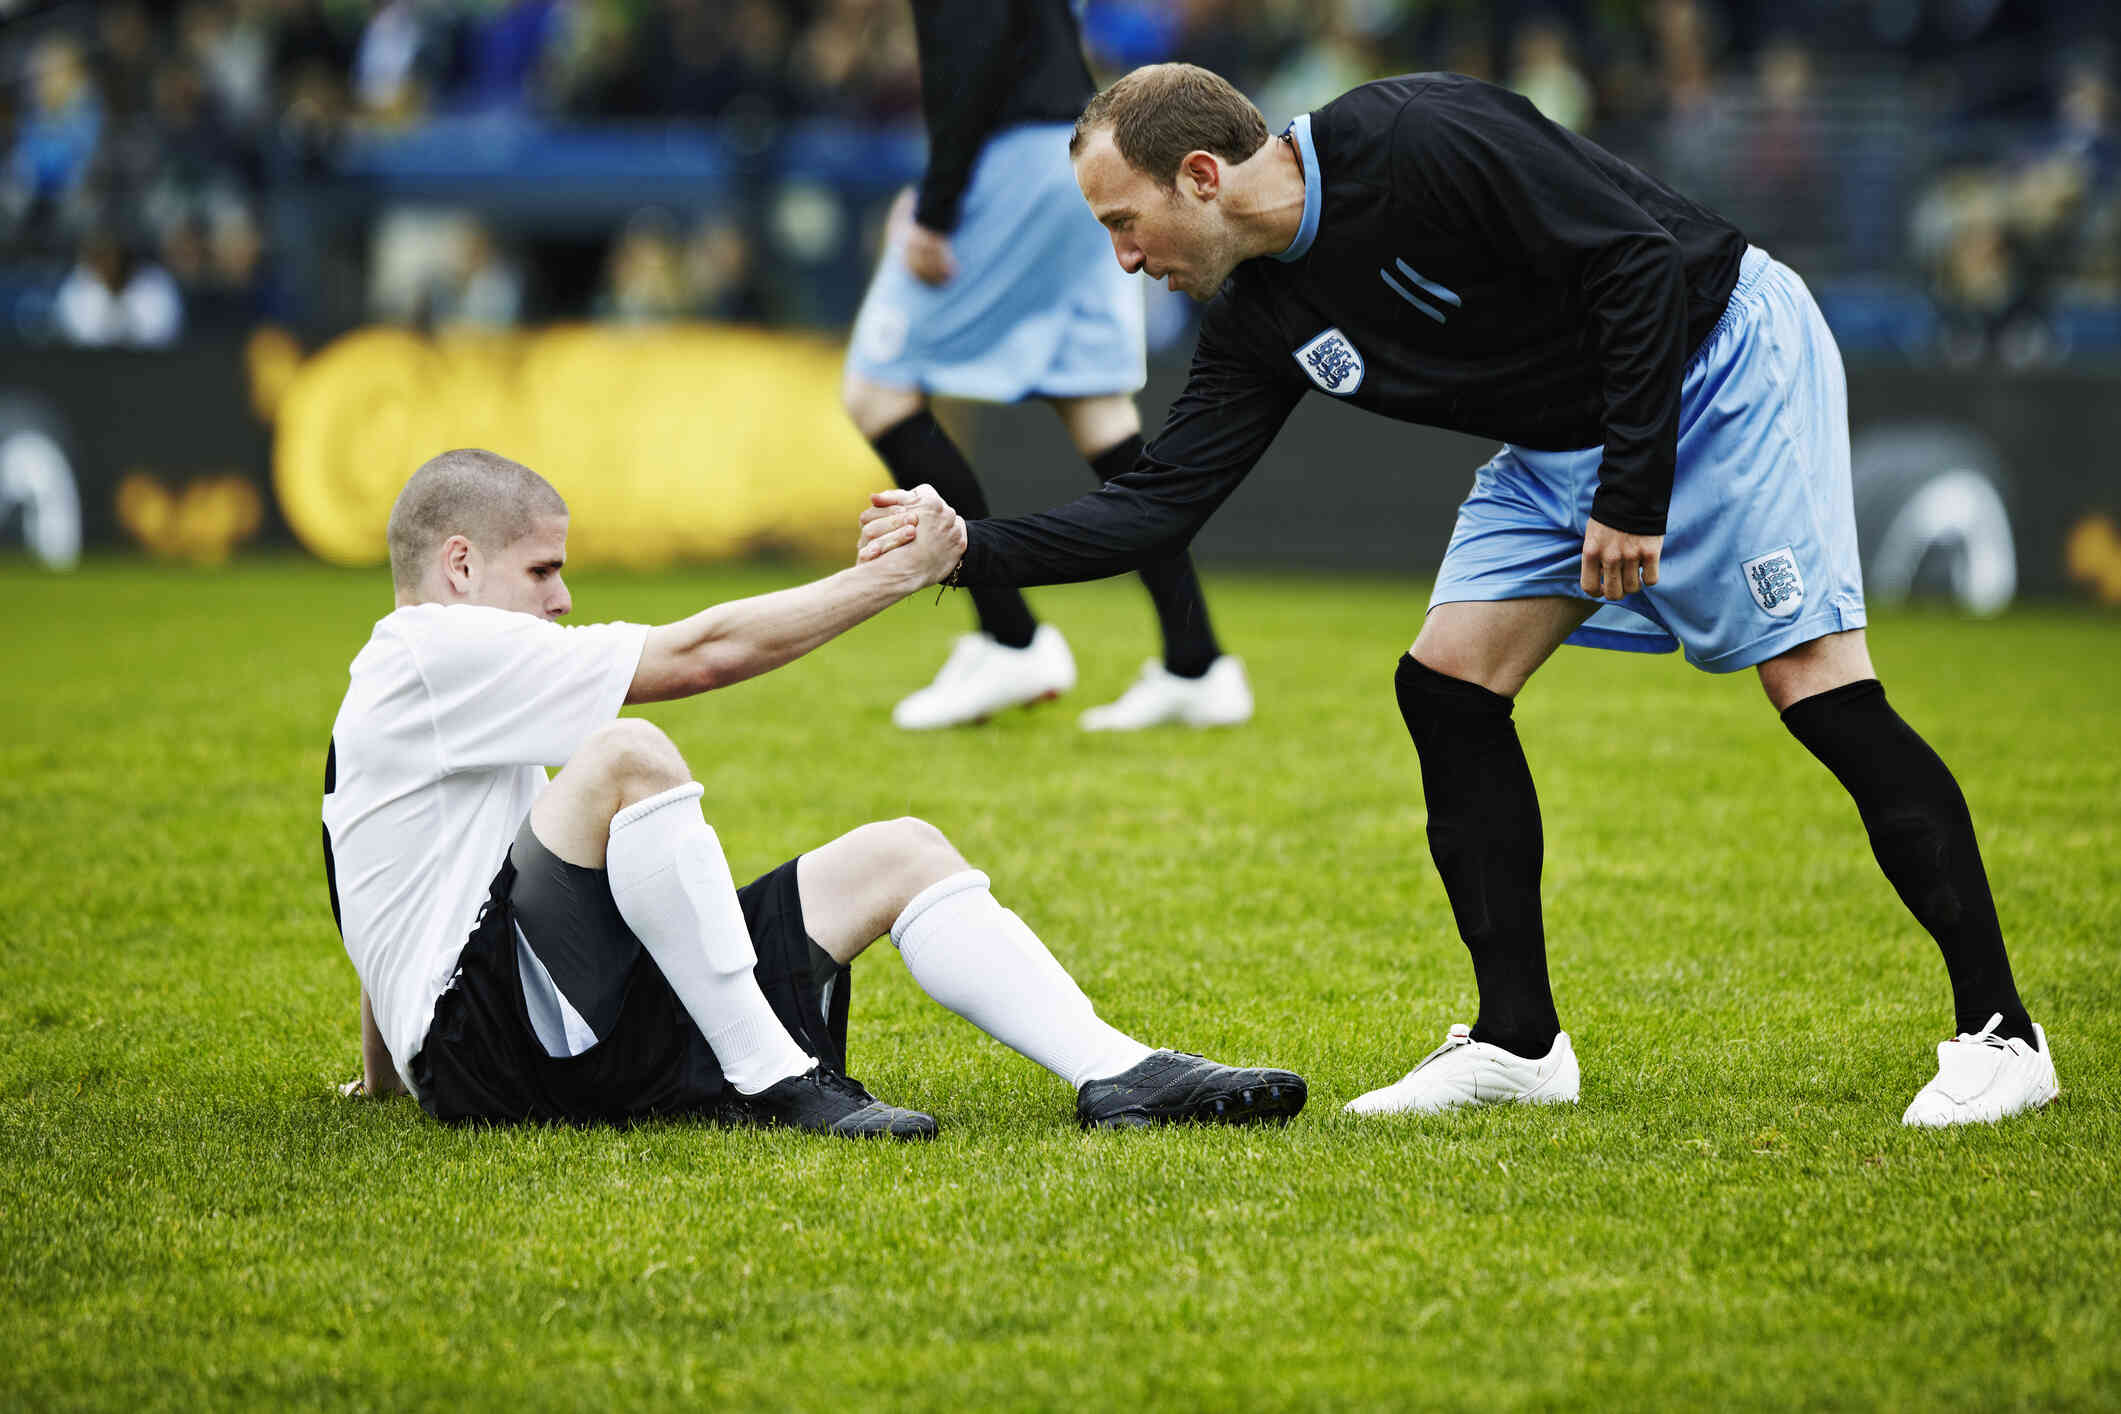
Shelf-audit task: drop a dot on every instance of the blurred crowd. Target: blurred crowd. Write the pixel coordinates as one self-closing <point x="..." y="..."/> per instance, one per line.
<point x="158" y="156"/>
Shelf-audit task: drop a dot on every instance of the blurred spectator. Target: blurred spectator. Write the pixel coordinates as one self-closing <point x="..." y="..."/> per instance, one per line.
<point x="125" y="57"/>
<point x="229" y="43"/>
<point x="442" y="269"/>
<point x="712" y="59"/>
<point x="486" y="288"/>
<point x="721" y="274"/>
<point x="510" y="55"/>
<point x="1338" y="56"/>
<point x="55" y="139"/>
<point x="401" y="49"/>
<point x="1544" y="72"/>
<point x="114" y="298"/>
<point x="1788" y="185"/>
<point x="645" y="282"/>
<point x="858" y="60"/>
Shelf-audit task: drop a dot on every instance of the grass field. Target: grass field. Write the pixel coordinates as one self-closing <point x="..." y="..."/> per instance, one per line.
<point x="1733" y="1217"/>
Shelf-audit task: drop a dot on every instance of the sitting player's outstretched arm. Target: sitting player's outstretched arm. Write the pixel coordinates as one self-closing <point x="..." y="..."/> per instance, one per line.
<point x="746" y="637"/>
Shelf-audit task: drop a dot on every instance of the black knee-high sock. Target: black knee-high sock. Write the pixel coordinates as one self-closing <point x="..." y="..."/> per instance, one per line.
<point x="1923" y="837"/>
<point x="1190" y="648"/>
<point x="1485" y="836"/>
<point x="918" y="450"/>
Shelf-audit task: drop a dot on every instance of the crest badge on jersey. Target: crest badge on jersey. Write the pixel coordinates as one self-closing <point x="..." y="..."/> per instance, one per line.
<point x="1777" y="586"/>
<point x="1332" y="363"/>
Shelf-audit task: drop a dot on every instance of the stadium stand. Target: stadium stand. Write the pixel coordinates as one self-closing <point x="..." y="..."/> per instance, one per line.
<point x="1948" y="176"/>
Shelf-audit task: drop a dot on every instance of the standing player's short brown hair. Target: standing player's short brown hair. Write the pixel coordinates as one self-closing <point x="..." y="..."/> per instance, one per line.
<point x="483" y="496"/>
<point x="1161" y="112"/>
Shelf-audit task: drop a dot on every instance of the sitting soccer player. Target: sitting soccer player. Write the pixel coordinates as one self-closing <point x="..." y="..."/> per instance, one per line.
<point x="574" y="949"/>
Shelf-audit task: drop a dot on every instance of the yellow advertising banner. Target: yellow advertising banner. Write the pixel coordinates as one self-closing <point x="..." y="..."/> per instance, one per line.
<point x="686" y="442"/>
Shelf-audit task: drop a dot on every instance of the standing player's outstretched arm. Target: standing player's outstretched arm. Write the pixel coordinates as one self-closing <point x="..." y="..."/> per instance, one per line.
<point x="746" y="637"/>
<point x="1216" y="432"/>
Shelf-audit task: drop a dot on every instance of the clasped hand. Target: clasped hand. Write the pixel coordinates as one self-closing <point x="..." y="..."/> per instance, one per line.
<point x="918" y="524"/>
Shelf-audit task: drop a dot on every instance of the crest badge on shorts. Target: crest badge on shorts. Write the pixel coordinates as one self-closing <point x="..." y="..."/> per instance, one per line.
<point x="1332" y="363"/>
<point x="1777" y="586"/>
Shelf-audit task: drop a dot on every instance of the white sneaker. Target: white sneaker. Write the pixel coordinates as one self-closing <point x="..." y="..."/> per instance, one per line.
<point x="1218" y="698"/>
<point x="1983" y="1078"/>
<point x="1463" y="1071"/>
<point x="981" y="677"/>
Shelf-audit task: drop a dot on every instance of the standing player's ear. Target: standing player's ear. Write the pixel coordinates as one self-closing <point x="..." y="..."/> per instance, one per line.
<point x="1200" y="173"/>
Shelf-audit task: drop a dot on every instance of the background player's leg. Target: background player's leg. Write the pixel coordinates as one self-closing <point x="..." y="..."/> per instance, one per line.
<point x="1920" y="828"/>
<point x="916" y="450"/>
<point x="964" y="949"/>
<point x="1107" y="434"/>
<point x="626" y="803"/>
<point x="1455" y="691"/>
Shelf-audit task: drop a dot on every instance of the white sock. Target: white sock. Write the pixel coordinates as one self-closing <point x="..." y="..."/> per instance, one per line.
<point x="673" y="888"/>
<point x="984" y="963"/>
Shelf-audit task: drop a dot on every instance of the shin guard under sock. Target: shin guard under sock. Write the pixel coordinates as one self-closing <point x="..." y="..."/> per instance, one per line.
<point x="1485" y="836"/>
<point x="1190" y="648"/>
<point x="918" y="450"/>
<point x="1923" y="837"/>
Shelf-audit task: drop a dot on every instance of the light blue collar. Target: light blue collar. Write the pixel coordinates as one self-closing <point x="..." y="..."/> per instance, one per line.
<point x="1314" y="191"/>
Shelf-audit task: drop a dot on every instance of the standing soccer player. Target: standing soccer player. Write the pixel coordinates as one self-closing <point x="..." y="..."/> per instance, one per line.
<point x="997" y="286"/>
<point x="1429" y="248"/>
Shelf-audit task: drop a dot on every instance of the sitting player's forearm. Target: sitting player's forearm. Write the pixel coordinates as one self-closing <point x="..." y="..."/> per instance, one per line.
<point x="745" y="637"/>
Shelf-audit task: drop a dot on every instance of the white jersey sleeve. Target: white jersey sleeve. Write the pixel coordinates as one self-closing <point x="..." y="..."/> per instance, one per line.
<point x="512" y="689"/>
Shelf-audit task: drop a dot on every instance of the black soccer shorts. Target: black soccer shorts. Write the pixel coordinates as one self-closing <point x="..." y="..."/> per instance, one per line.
<point x="482" y="1060"/>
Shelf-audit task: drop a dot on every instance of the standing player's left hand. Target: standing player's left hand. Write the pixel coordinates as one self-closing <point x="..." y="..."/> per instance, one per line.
<point x="1615" y="563"/>
<point x="928" y="255"/>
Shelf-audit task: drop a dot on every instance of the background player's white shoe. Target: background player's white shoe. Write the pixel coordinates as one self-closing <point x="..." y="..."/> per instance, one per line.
<point x="1221" y="697"/>
<point x="1983" y="1077"/>
<point x="982" y="677"/>
<point x="1463" y="1071"/>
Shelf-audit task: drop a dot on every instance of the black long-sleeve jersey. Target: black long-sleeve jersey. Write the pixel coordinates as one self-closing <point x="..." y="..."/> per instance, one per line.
<point x="1463" y="263"/>
<point x="987" y="65"/>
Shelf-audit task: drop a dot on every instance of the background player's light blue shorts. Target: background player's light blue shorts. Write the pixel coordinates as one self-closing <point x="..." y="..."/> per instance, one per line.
<point x="1039" y="306"/>
<point x="1760" y="550"/>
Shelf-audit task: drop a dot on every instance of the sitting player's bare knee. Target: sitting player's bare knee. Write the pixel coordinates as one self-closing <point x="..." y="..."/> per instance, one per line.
<point x="920" y="853"/>
<point x="903" y="857"/>
<point x="854" y="887"/>
<point x="635" y="758"/>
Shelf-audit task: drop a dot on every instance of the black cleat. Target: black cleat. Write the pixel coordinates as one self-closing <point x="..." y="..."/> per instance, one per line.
<point x="1175" y="1087"/>
<point x="826" y="1102"/>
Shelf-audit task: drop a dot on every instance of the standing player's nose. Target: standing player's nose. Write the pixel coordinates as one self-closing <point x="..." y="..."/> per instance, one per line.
<point x="1130" y="259"/>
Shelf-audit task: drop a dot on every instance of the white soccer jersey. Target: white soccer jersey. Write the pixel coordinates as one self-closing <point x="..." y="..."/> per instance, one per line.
<point x="439" y="750"/>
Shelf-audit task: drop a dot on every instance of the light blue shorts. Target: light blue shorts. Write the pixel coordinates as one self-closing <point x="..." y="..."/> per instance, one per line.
<point x="1039" y="306"/>
<point x="1760" y="550"/>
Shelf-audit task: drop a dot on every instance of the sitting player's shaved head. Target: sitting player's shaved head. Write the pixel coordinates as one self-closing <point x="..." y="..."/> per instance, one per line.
<point x="482" y="496"/>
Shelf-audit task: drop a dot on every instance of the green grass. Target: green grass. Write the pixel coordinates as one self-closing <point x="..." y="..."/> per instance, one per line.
<point x="1732" y="1218"/>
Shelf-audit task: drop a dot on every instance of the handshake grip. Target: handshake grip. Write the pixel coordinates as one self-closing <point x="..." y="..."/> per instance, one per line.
<point x="918" y="524"/>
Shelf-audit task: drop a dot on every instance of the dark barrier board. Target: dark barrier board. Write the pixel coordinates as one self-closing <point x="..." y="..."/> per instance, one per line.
<point x="1972" y="482"/>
